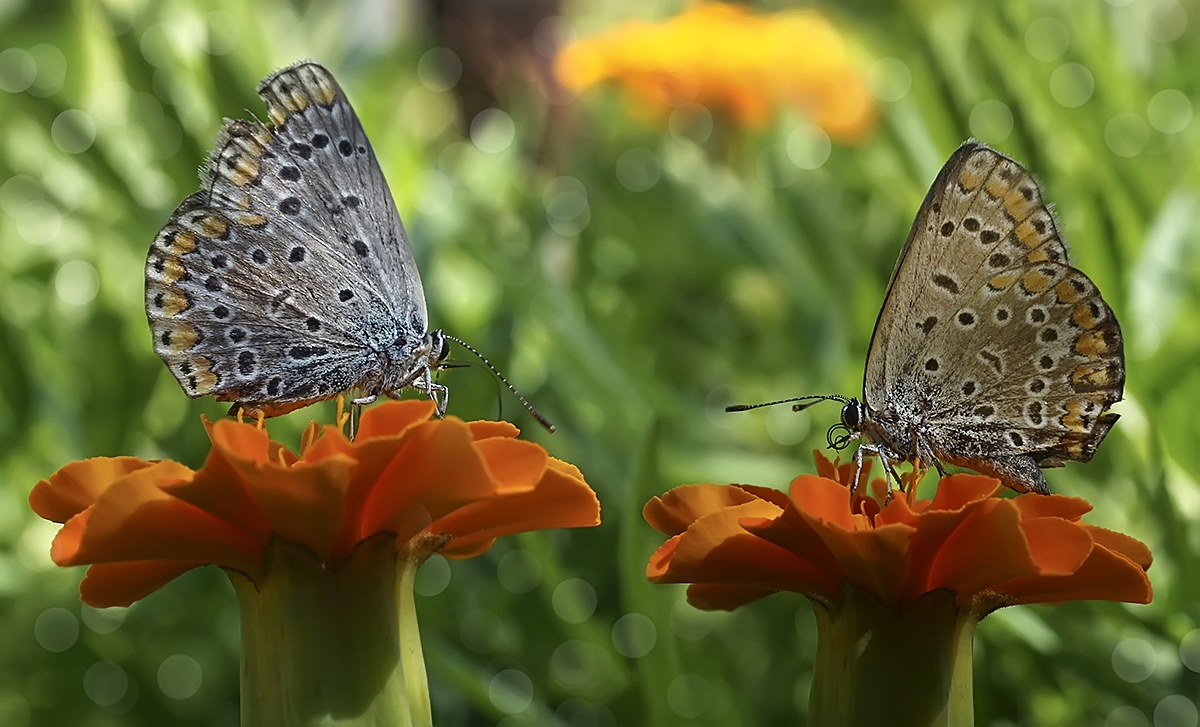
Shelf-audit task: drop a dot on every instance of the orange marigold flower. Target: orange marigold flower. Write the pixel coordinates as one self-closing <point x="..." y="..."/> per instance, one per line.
<point x="727" y="58"/>
<point x="141" y="524"/>
<point x="898" y="590"/>
<point x="738" y="543"/>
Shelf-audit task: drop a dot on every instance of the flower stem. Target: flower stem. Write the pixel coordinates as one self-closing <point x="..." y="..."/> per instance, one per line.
<point x="909" y="668"/>
<point x="331" y="646"/>
<point x="412" y="658"/>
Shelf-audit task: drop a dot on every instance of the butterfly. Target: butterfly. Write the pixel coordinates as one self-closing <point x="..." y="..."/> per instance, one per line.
<point x="288" y="278"/>
<point x="991" y="351"/>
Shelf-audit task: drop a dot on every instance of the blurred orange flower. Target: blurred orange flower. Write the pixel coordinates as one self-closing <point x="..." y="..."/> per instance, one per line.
<point x="729" y="59"/>
<point x="141" y="524"/>
<point x="738" y="543"/>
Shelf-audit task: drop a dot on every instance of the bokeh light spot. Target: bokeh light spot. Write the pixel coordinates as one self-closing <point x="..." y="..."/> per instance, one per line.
<point x="493" y="131"/>
<point x="56" y="629"/>
<point x="1126" y="716"/>
<point x="689" y="696"/>
<point x="1169" y="111"/>
<point x="1126" y="134"/>
<point x="180" y="676"/>
<point x="634" y="635"/>
<point x="105" y="683"/>
<point x="638" y="169"/>
<point x="1047" y="39"/>
<point x="1189" y="650"/>
<point x="433" y="577"/>
<point x="38" y="222"/>
<point x="1175" y="710"/>
<point x="991" y="121"/>
<point x="511" y="691"/>
<point x="17" y="70"/>
<point x="689" y="623"/>
<point x="809" y="147"/>
<point x="481" y="630"/>
<point x="578" y="666"/>
<point x="519" y="571"/>
<point x="889" y="79"/>
<point x="51" y="70"/>
<point x="77" y="282"/>
<point x="574" y="600"/>
<point x="103" y="620"/>
<point x="1072" y="85"/>
<point x="566" y="202"/>
<point x="1133" y="660"/>
<point x="73" y="131"/>
<point x="439" y="69"/>
<point x="1164" y="20"/>
<point x="786" y="427"/>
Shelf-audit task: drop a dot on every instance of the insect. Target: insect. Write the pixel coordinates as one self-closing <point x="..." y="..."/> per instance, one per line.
<point x="288" y="278"/>
<point x="990" y="351"/>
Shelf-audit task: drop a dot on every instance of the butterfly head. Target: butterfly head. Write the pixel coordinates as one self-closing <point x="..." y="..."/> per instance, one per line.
<point x="439" y="348"/>
<point x="849" y="428"/>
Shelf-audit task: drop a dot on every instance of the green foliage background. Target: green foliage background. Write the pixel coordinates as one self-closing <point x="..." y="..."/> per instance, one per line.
<point x="735" y="276"/>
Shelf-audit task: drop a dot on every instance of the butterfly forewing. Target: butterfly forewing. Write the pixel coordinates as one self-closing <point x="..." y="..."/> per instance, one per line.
<point x="320" y="133"/>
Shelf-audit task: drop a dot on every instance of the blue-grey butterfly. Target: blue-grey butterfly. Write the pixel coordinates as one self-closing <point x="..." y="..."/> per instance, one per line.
<point x="990" y="351"/>
<point x="288" y="278"/>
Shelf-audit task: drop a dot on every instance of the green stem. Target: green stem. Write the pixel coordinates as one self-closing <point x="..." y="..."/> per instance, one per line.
<point x="331" y="646"/>
<point x="412" y="658"/>
<point x="909" y="668"/>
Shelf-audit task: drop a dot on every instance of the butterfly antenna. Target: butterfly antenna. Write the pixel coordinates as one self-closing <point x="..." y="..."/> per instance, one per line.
<point x="798" y="407"/>
<point x="524" y="402"/>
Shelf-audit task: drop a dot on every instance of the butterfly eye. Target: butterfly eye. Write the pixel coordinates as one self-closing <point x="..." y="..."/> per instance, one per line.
<point x="445" y="349"/>
<point x="852" y="414"/>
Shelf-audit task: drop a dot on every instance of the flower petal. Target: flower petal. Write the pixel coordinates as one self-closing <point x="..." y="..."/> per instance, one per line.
<point x="76" y="486"/>
<point x="793" y="533"/>
<point x="681" y="506"/>
<point x="515" y="465"/>
<point x="716" y="549"/>
<point x="222" y="486"/>
<point x="558" y="501"/>
<point x="822" y="500"/>
<point x="391" y="418"/>
<point x="487" y="429"/>
<point x="1068" y="508"/>
<point x="956" y="491"/>
<point x="436" y="471"/>
<point x="1105" y="576"/>
<point x="1131" y="548"/>
<point x="1058" y="546"/>
<point x="987" y="547"/>
<point x="120" y="584"/>
<point x="305" y="503"/>
<point x="134" y="519"/>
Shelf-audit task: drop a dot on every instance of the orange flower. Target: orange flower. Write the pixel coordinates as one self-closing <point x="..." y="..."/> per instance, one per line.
<point x="738" y="543"/>
<point x="729" y="59"/>
<point x="430" y="482"/>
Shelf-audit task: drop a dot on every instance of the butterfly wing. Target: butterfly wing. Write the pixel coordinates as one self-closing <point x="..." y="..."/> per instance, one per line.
<point x="270" y="286"/>
<point x="987" y="337"/>
<point x="316" y="124"/>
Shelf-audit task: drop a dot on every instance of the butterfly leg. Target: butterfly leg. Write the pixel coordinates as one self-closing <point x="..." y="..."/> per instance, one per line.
<point x="438" y="392"/>
<point x="925" y="455"/>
